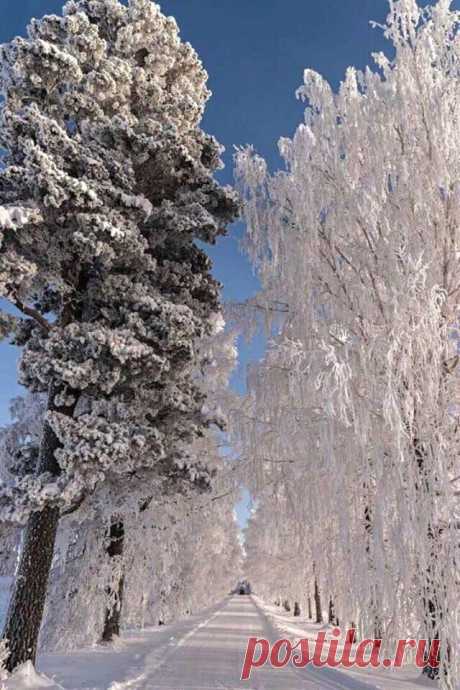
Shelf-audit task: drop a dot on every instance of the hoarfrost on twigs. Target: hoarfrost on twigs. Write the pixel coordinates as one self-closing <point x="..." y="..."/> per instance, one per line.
<point x="359" y="236"/>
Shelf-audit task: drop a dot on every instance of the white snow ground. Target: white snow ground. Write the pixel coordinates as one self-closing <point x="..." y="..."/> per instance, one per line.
<point x="293" y="628"/>
<point x="205" y="652"/>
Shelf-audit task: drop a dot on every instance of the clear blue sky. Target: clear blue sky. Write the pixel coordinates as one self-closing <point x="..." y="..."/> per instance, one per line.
<point x="255" y="52"/>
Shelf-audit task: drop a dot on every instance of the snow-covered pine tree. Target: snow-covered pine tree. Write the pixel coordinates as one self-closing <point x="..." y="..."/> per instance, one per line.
<point x="127" y="575"/>
<point x="106" y="184"/>
<point x="215" y="362"/>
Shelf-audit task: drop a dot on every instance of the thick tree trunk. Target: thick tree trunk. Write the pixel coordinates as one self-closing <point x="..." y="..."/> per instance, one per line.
<point x="25" y="614"/>
<point x="319" y="611"/>
<point x="113" y="612"/>
<point x="296" y="608"/>
<point x="27" y="604"/>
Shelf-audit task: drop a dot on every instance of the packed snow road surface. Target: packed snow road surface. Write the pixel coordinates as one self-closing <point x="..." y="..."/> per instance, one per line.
<point x="211" y="658"/>
<point x="206" y="652"/>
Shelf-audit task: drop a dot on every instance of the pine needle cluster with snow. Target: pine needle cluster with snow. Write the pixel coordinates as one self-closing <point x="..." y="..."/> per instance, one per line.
<point x="107" y="182"/>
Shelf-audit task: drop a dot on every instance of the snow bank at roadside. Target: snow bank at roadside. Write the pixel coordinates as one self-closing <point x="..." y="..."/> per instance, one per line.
<point x="408" y="677"/>
<point x="135" y="655"/>
<point x="26" y="678"/>
<point x="97" y="668"/>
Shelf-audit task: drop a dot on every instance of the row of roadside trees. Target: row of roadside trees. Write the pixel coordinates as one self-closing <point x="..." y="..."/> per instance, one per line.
<point x="351" y="422"/>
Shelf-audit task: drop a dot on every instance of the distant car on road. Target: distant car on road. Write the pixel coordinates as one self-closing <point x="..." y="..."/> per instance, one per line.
<point x="243" y="587"/>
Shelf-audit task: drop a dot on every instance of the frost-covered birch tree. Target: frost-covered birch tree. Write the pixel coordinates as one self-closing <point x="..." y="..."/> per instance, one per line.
<point x="106" y="183"/>
<point x="359" y="235"/>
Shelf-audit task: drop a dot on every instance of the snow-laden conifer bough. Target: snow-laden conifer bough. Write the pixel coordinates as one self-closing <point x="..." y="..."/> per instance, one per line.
<point x="106" y="184"/>
<point x="351" y="423"/>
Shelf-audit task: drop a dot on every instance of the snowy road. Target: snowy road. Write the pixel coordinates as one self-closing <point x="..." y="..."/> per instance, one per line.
<point x="210" y="657"/>
<point x="204" y="653"/>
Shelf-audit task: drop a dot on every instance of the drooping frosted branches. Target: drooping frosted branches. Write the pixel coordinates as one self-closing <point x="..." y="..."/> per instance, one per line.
<point x="359" y="235"/>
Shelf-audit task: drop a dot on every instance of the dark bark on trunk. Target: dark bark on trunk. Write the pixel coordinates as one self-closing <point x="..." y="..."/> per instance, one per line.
<point x="310" y="614"/>
<point x="115" y="548"/>
<point x="333" y="620"/>
<point x="296" y="608"/>
<point x="352" y="635"/>
<point x="25" y="614"/>
<point x="431" y="610"/>
<point x="286" y="605"/>
<point x="319" y="611"/>
<point x="27" y="604"/>
<point x="368" y="525"/>
<point x="432" y="606"/>
<point x="113" y="613"/>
